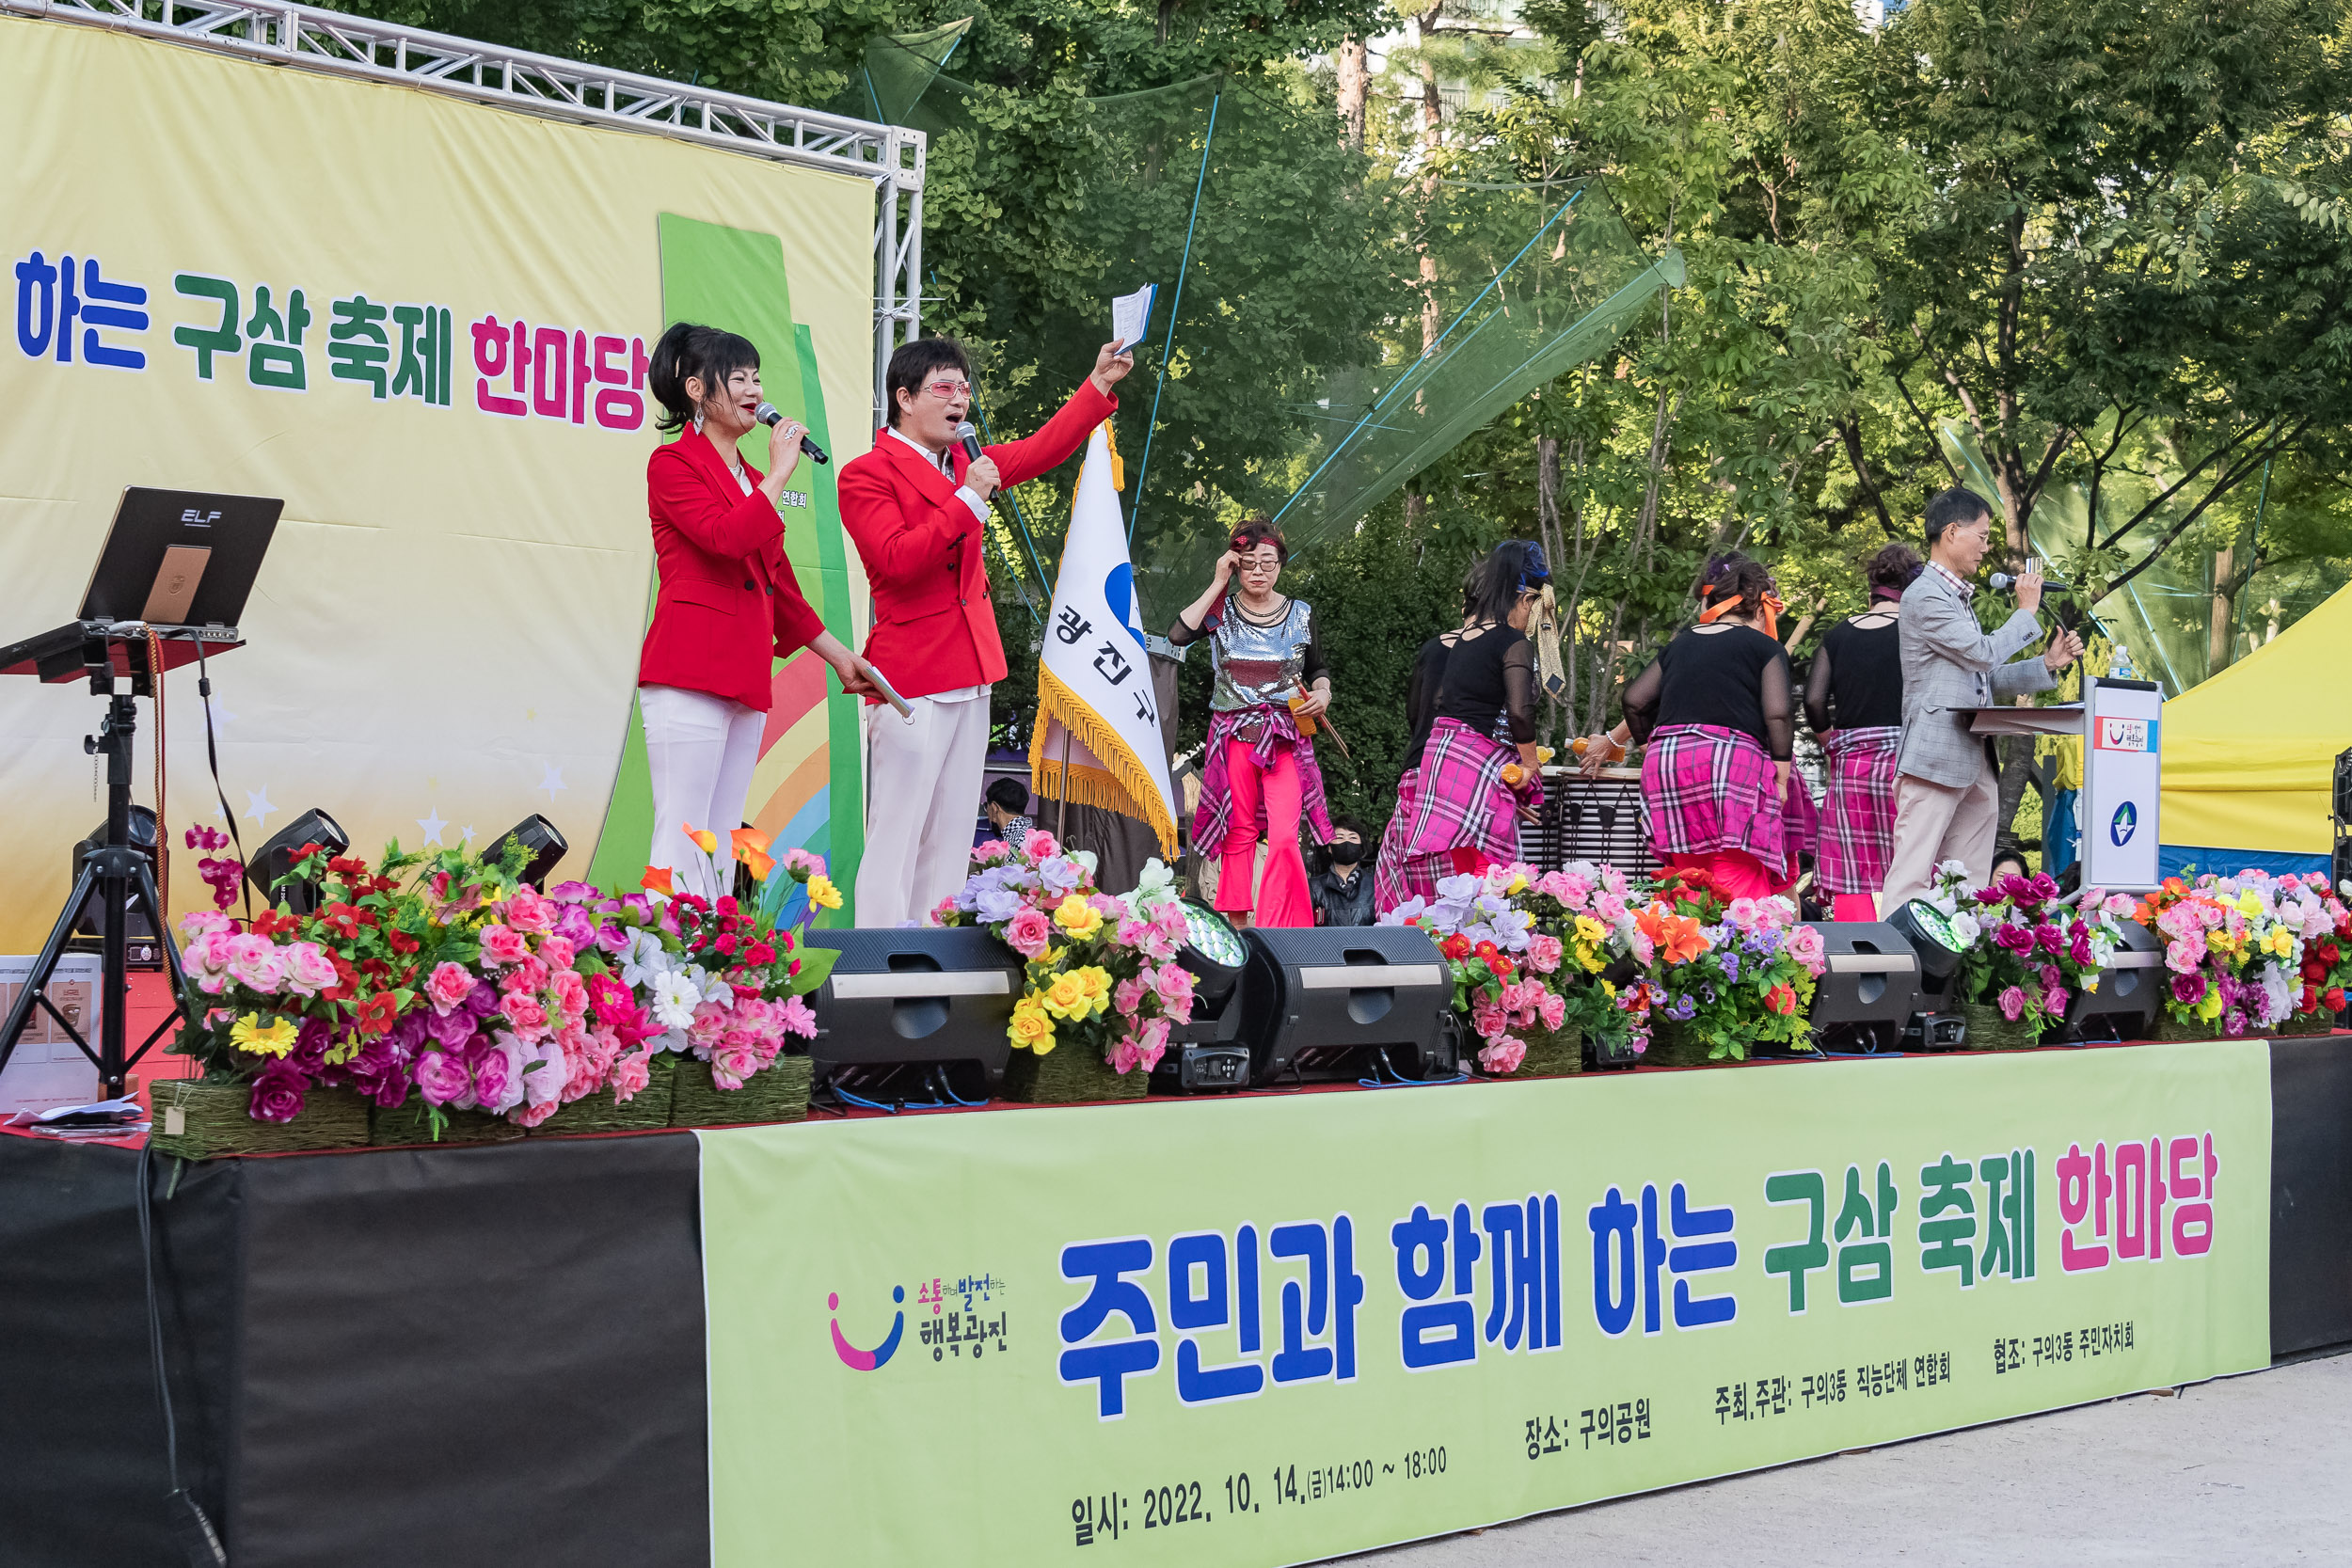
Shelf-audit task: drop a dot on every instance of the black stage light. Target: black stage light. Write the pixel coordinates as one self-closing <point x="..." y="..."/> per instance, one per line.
<point x="141" y="948"/>
<point x="543" y="846"/>
<point x="2130" y="993"/>
<point x="1344" y="1003"/>
<point x="1939" y="1024"/>
<point x="2343" y="790"/>
<point x="1207" y="1053"/>
<point x="1865" y="999"/>
<point x="276" y="857"/>
<point x="915" y="1010"/>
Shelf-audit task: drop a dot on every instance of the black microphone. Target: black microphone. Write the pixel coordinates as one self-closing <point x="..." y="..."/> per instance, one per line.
<point x="969" y="438"/>
<point x="2002" y="583"/>
<point x="768" y="414"/>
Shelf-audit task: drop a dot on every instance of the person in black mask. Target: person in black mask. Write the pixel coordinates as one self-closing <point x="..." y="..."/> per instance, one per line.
<point x="1343" y="892"/>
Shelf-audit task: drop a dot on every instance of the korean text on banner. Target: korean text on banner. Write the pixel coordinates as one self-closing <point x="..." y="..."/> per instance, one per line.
<point x="1097" y="739"/>
<point x="1266" y="1331"/>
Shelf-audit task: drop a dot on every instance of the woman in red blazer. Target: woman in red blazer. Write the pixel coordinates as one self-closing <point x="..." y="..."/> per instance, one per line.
<point x="728" y="605"/>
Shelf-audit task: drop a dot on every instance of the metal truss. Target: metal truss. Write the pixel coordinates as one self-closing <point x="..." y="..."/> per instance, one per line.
<point x="891" y="156"/>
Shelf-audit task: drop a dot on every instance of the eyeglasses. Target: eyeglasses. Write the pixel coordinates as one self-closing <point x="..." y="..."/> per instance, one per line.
<point x="948" y="391"/>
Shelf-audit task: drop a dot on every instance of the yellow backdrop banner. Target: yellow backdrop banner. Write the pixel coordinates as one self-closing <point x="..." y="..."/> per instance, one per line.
<point x="424" y="324"/>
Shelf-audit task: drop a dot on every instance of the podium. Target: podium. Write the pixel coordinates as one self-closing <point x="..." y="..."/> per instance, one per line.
<point x="2119" y="722"/>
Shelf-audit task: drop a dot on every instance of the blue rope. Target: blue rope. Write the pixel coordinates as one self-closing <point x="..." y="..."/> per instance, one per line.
<point x="1174" y="304"/>
<point x="1430" y="356"/>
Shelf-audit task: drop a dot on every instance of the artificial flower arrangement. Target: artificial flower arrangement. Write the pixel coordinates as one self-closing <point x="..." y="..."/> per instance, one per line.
<point x="2241" y="949"/>
<point x="1588" y="908"/>
<point x="1101" y="971"/>
<point x="449" y="977"/>
<point x="2024" y="952"/>
<point x="1732" y="972"/>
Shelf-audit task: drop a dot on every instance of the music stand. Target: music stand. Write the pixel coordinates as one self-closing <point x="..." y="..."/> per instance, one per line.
<point x="179" y="565"/>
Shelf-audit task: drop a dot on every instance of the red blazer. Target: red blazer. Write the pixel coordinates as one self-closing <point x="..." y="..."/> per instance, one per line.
<point x="935" y="627"/>
<point x="728" y="603"/>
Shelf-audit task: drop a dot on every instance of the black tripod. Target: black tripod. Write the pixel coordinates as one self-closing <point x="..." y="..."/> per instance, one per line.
<point x="118" y="872"/>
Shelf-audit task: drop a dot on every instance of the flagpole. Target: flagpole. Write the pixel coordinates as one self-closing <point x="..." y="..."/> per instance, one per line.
<point x="1062" y="821"/>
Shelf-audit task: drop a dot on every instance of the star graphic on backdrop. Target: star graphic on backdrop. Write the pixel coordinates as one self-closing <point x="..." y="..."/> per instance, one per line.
<point x="467" y="833"/>
<point x="257" y="806"/>
<point x="220" y="710"/>
<point x="432" y="826"/>
<point x="551" y="779"/>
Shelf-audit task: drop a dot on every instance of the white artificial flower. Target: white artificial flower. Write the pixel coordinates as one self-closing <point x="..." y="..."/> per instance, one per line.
<point x="675" y="997"/>
<point x="643" y="958"/>
<point x="1966" y="929"/>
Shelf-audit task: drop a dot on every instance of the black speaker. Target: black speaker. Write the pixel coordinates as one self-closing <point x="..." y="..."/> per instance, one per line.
<point x="916" y="1009"/>
<point x="1326" y="1004"/>
<point x="1866" y="997"/>
<point x="276" y="857"/>
<point x="2130" y="995"/>
<point x="2342" y="792"/>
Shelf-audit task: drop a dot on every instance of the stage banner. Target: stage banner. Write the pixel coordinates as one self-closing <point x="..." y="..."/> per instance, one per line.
<point x="1271" y="1330"/>
<point x="424" y="324"/>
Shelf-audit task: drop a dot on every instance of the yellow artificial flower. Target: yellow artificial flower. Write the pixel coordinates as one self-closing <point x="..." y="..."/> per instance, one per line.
<point x="1608" y="991"/>
<point x="822" y="893"/>
<point x="1518" y="884"/>
<point x="273" y="1038"/>
<point x="1081" y="919"/>
<point x="2210" y="1007"/>
<point x="2280" y="940"/>
<point x="1030" y="1028"/>
<point x="2248" y="905"/>
<point x="1097" y="981"/>
<point x="1590" y="959"/>
<point x="1067" y="998"/>
<point x="1590" y="930"/>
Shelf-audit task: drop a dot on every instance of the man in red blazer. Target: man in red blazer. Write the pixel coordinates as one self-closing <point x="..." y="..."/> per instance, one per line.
<point x="918" y="508"/>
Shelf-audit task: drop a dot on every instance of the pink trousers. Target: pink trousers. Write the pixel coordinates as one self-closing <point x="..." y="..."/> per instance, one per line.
<point x="1282" y="892"/>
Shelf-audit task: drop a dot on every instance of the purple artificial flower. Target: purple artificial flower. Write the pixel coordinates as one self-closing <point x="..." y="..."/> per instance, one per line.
<point x="494" y="1069"/>
<point x="2052" y="977"/>
<point x="576" y="925"/>
<point x="2012" y="1003"/>
<point x="2233" y="1023"/>
<point x="1730" y="956"/>
<point x="2188" y="990"/>
<point x="2046" y="937"/>
<point x="996" y="905"/>
<point x="2016" y="938"/>
<point x="2044" y="885"/>
<point x="483" y="1000"/>
<point x="571" y="893"/>
<point x="310" y="1047"/>
<point x="442" y="1077"/>
<point x="278" y="1092"/>
<point x="451" y="1029"/>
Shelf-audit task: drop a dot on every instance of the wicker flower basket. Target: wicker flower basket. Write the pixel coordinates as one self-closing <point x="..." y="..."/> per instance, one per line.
<point x="212" y="1117"/>
<point x="1071" y="1075"/>
<point x="1552" y="1053"/>
<point x="780" y="1093"/>
<point x="1990" y="1030"/>
<point x="409" y="1124"/>
<point x="2319" y="1022"/>
<point x="2170" y="1029"/>
<point x="1675" y="1043"/>
<point x="647" y="1109"/>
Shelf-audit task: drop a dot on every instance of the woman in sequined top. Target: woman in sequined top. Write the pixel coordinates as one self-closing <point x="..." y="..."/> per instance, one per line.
<point x="1258" y="774"/>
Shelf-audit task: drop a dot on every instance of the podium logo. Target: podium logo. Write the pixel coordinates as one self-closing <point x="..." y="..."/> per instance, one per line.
<point x="2126" y="821"/>
<point x="868" y="1361"/>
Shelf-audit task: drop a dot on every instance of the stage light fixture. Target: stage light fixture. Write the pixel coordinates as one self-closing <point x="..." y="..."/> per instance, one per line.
<point x="1867" y="994"/>
<point x="543" y="846"/>
<point x="277" y="856"/>
<point x="141" y="950"/>
<point x="1207" y="1054"/>
<point x="2343" y="790"/>
<point x="1937" y="1025"/>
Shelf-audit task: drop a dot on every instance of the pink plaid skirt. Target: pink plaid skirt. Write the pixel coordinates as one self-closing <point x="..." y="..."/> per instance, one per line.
<point x="1800" y="821"/>
<point x="1392" y="881"/>
<point x="1858" y="810"/>
<point x="1710" y="788"/>
<point x="1460" y="802"/>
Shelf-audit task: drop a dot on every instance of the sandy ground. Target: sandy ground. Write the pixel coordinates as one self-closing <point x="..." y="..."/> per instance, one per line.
<point x="2247" y="1470"/>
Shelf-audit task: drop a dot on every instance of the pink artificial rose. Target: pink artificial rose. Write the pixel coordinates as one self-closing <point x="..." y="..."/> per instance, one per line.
<point x="1554" y="1010"/>
<point x="1174" y="984"/>
<point x="449" y="984"/>
<point x="571" y="993"/>
<point x="523" y="1012"/>
<point x="309" y="970"/>
<point x="442" y="1078"/>
<point x="630" y="1074"/>
<point x="202" y="922"/>
<point x="1152" y="1040"/>
<point x="529" y="975"/>
<point x="527" y="912"/>
<point x="531" y="1113"/>
<point x="557" y="952"/>
<point x="710" y="1021"/>
<point x="1132" y="931"/>
<point x="991" y="851"/>
<point x="1159" y="948"/>
<point x="1039" y="847"/>
<point x="1610" y="909"/>
<point x="1489" y="1021"/>
<point x="1127" y="996"/>
<point x="944" y="912"/>
<point x="1741" y="913"/>
<point x="503" y="944"/>
<point x="1805" y="945"/>
<point x="1169" y="918"/>
<point x="1126" y="1056"/>
<point x="1544" y="953"/>
<point x="2012" y="1004"/>
<point x="796" y="1018"/>
<point x="254" y="963"/>
<point x="730" y="1067"/>
<point x="1030" y="932"/>
<point x="1503" y="1056"/>
<point x="2054" y="1000"/>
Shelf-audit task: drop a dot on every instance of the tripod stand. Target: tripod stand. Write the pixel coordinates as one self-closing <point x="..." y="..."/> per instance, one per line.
<point x="116" y="872"/>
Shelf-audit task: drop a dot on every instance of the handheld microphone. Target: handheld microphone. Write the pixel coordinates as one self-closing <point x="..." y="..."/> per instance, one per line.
<point x="969" y="438"/>
<point x="2002" y="583"/>
<point x="769" y="415"/>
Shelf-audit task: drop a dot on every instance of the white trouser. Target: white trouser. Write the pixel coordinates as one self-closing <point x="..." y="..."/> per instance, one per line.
<point x="922" y="797"/>
<point x="701" y="751"/>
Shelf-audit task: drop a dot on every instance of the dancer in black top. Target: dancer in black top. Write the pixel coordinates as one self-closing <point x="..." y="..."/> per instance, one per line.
<point x="1855" y="702"/>
<point x="1421" y="712"/>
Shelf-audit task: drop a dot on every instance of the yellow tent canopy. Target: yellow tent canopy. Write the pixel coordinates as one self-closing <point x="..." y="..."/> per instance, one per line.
<point x="2249" y="754"/>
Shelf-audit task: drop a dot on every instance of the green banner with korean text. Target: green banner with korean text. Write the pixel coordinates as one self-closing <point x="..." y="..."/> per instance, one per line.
<point x="1275" y="1329"/>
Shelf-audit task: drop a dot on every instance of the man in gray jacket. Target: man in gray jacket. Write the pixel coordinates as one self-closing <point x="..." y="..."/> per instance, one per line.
<point x="1947" y="788"/>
